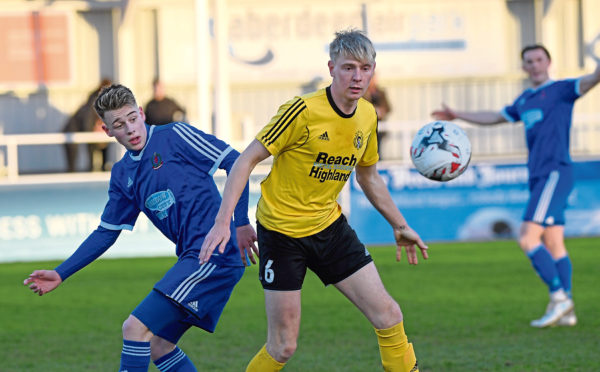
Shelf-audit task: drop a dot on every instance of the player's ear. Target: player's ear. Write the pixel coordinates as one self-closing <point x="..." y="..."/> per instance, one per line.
<point x="330" y="64"/>
<point x="106" y="130"/>
<point x="142" y="114"/>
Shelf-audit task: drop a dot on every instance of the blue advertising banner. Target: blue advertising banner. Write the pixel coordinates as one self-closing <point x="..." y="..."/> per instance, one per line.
<point x="46" y="221"/>
<point x="486" y="202"/>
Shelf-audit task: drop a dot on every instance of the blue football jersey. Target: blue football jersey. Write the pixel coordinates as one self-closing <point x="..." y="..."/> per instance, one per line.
<point x="547" y="114"/>
<point x="170" y="181"/>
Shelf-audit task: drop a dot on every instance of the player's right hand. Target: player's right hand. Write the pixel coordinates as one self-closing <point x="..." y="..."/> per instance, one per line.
<point x="446" y="113"/>
<point x="218" y="236"/>
<point x="408" y="238"/>
<point x="43" y="281"/>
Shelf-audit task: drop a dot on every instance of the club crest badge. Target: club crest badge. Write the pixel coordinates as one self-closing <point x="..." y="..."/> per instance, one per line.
<point x="157" y="161"/>
<point x="358" y="140"/>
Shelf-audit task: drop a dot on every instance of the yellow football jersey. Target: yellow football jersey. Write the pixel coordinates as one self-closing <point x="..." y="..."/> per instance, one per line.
<point x="315" y="148"/>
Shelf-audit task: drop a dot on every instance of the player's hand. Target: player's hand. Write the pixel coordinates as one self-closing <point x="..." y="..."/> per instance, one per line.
<point x="407" y="237"/>
<point x="590" y="49"/>
<point x="246" y="238"/>
<point x="218" y="236"/>
<point x="446" y="113"/>
<point x="43" y="281"/>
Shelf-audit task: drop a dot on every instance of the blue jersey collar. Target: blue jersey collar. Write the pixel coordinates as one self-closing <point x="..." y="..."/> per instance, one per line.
<point x="548" y="82"/>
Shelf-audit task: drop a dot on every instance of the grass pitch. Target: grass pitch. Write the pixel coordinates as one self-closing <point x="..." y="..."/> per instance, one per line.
<point x="467" y="308"/>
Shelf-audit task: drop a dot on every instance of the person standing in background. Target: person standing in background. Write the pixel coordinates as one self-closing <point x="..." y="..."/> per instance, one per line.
<point x="161" y="109"/>
<point x="85" y="119"/>
<point x="378" y="97"/>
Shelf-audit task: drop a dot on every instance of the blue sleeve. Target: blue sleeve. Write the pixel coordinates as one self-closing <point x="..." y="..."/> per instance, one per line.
<point x="95" y="244"/>
<point x="569" y="89"/>
<point x="203" y="150"/>
<point x="240" y="213"/>
<point x="510" y="112"/>
<point x="121" y="211"/>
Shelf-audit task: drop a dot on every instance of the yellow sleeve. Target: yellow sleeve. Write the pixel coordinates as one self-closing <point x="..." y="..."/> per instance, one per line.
<point x="371" y="154"/>
<point x="286" y="129"/>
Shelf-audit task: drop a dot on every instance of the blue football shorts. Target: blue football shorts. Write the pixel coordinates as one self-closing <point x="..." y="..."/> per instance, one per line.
<point x="548" y="197"/>
<point x="188" y="295"/>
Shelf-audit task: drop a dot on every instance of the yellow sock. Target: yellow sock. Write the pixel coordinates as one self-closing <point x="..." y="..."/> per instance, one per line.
<point x="264" y="362"/>
<point x="397" y="354"/>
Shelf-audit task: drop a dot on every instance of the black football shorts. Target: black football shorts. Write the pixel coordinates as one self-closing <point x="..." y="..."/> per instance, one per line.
<point x="333" y="254"/>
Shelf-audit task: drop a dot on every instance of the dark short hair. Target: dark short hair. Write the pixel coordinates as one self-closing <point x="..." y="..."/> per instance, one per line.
<point x="534" y="47"/>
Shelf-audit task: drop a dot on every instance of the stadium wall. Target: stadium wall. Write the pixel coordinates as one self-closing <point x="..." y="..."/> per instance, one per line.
<point x="429" y="51"/>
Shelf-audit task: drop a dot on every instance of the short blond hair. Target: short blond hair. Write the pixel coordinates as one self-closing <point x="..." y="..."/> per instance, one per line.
<point x="352" y="43"/>
<point x="113" y="97"/>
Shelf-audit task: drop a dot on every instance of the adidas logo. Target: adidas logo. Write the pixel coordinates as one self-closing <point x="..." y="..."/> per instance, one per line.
<point x="324" y="137"/>
<point x="193" y="305"/>
<point x="129" y="182"/>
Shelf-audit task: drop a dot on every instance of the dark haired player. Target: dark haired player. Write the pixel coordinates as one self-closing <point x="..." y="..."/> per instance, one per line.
<point x="166" y="174"/>
<point x="546" y="110"/>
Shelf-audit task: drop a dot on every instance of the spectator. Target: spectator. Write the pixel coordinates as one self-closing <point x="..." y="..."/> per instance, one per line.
<point x="162" y="109"/>
<point x="85" y="119"/>
<point x="377" y="96"/>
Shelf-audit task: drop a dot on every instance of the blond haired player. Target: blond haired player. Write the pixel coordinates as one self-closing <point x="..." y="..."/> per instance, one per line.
<point x="317" y="140"/>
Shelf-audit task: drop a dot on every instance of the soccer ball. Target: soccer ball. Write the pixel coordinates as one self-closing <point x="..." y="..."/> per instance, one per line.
<point x="441" y="151"/>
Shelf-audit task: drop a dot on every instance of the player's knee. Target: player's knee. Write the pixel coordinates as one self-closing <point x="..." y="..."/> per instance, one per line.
<point x="135" y="330"/>
<point x="528" y="242"/>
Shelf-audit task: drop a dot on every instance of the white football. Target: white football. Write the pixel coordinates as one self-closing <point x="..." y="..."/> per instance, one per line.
<point x="441" y="151"/>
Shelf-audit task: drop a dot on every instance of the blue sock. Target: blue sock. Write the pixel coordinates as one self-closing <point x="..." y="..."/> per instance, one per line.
<point x="544" y="266"/>
<point x="135" y="356"/>
<point x="565" y="272"/>
<point x="175" y="361"/>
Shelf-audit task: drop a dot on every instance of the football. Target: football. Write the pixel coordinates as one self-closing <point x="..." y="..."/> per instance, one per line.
<point x="441" y="151"/>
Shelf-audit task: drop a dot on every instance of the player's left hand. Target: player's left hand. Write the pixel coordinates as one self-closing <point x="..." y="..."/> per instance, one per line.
<point x="407" y="237"/>
<point x="43" y="281"/>
<point x="246" y="238"/>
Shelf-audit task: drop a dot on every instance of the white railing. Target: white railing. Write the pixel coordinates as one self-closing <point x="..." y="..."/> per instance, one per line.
<point x="12" y="142"/>
<point x="504" y="141"/>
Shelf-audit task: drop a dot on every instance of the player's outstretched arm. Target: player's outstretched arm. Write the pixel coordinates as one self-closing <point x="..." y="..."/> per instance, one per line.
<point x="589" y="81"/>
<point x="246" y="238"/>
<point x="219" y="234"/>
<point x="475" y="117"/>
<point x="377" y="192"/>
<point x="43" y="281"/>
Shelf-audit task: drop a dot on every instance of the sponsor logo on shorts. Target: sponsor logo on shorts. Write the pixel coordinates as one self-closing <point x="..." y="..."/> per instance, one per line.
<point x="193" y="305"/>
<point x="549" y="221"/>
<point x="332" y="168"/>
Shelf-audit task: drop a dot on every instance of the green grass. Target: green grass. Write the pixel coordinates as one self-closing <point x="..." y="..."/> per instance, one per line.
<point x="467" y="309"/>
